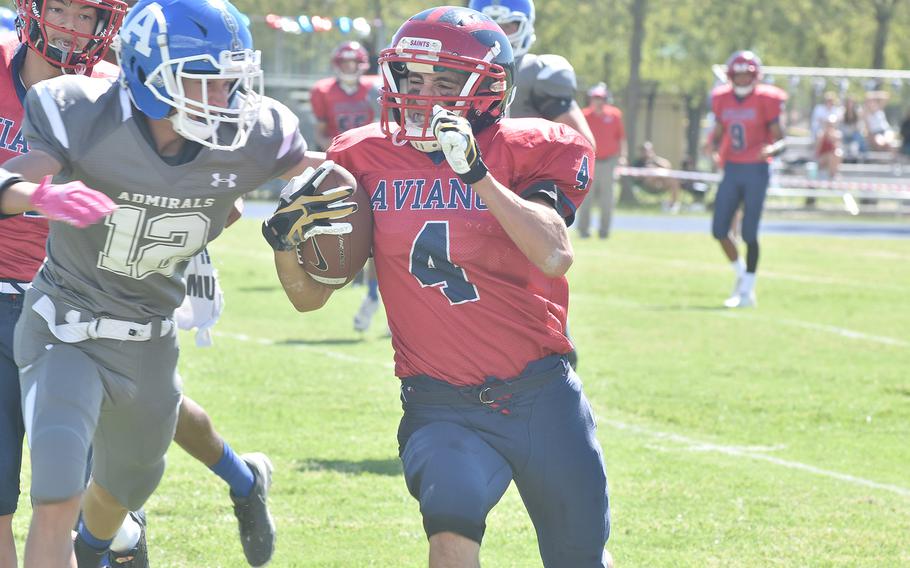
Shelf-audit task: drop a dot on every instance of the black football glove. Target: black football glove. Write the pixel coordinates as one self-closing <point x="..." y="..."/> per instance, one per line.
<point x="457" y="140"/>
<point x="302" y="213"/>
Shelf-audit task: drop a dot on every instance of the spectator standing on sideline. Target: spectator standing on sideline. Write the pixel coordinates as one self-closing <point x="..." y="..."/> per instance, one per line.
<point x="609" y="133"/>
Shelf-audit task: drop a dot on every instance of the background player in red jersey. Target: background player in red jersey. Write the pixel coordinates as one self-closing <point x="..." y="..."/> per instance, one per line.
<point x="341" y="103"/>
<point x="56" y="37"/>
<point x="747" y="134"/>
<point x="471" y="247"/>
<point x="348" y="99"/>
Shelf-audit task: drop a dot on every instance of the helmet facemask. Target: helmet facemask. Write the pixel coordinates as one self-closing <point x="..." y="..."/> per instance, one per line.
<point x="406" y="117"/>
<point x="85" y="49"/>
<point x="199" y="121"/>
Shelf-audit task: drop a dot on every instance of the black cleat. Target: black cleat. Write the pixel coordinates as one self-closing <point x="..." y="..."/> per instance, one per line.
<point x="257" y="529"/>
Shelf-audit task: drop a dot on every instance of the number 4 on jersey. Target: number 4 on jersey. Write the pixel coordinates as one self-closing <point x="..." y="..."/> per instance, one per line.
<point x="432" y="264"/>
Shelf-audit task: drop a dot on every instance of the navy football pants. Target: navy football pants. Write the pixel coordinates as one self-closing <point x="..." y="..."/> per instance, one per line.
<point x="746" y="184"/>
<point x="459" y="459"/>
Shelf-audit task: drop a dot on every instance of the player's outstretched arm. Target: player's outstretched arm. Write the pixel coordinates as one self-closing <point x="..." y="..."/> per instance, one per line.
<point x="30" y="167"/>
<point x="71" y="202"/>
<point x="303" y="212"/>
<point x="304" y="293"/>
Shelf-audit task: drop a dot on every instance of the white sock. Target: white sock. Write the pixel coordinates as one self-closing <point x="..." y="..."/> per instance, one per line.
<point x="127" y="537"/>
<point x="747" y="284"/>
<point x="739" y="267"/>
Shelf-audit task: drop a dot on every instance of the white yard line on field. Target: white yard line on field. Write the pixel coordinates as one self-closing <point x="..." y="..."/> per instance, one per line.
<point x="753" y="454"/>
<point x="757" y="453"/>
<point x="318" y="348"/>
<point x="751" y="314"/>
<point x="841" y="331"/>
<point x="701" y="266"/>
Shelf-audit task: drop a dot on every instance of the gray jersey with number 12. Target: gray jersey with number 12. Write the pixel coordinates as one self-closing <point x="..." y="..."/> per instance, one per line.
<point x="130" y="266"/>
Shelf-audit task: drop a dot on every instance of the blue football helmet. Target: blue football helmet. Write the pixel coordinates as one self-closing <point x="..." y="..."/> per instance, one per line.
<point x="166" y="45"/>
<point x="507" y="12"/>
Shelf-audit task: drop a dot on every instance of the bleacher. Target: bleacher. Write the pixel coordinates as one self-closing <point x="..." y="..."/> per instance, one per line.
<point x="869" y="181"/>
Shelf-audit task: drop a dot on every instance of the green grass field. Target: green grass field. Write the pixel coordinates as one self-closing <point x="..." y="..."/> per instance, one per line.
<point x="771" y="437"/>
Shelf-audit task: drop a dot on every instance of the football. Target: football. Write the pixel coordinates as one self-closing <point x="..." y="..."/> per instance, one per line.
<point x="334" y="260"/>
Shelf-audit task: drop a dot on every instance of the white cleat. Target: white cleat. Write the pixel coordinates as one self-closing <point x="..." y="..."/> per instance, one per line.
<point x="741" y="300"/>
<point x="364" y="315"/>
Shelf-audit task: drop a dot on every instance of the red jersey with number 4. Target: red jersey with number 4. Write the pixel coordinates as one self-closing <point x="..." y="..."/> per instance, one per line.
<point x="464" y="303"/>
<point x="21" y="237"/>
<point x="342" y="111"/>
<point x="746" y="121"/>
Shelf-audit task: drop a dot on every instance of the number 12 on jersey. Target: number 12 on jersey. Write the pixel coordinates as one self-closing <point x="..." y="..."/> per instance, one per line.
<point x="431" y="264"/>
<point x="137" y="247"/>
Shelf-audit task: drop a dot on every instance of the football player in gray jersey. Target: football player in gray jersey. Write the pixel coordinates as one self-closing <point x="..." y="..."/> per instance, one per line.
<point x="166" y="150"/>
<point x="545" y="84"/>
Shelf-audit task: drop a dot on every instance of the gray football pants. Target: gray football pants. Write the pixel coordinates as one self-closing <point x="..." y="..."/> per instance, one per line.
<point x="602" y="194"/>
<point x="121" y="397"/>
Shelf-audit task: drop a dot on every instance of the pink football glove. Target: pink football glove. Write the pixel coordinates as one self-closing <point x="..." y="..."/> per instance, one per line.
<point x="72" y="203"/>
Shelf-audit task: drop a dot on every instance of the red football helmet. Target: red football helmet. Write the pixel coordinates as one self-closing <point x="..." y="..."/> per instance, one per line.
<point x="437" y="40"/>
<point x="744" y="62"/>
<point x="35" y="26"/>
<point x="350" y="51"/>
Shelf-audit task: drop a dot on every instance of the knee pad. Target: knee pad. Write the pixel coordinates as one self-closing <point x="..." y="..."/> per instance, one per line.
<point x="59" y="457"/>
<point x="62" y="396"/>
<point x="456" y="477"/>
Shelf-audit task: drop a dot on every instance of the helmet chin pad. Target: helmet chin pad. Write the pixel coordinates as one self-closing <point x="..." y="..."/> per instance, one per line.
<point x="743" y="90"/>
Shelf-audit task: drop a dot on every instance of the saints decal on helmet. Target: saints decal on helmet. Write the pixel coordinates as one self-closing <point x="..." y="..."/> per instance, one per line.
<point x="505" y="12"/>
<point x="166" y="45"/>
<point x="446" y="39"/>
<point x="73" y="35"/>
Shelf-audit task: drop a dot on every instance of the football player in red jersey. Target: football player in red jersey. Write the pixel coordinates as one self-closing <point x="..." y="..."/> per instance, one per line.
<point x="746" y="135"/>
<point x="471" y="248"/>
<point x="55" y="37"/>
<point x="348" y="99"/>
<point x="339" y="103"/>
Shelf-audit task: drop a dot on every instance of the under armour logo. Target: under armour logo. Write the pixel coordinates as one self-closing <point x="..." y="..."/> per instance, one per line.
<point x="231" y="180"/>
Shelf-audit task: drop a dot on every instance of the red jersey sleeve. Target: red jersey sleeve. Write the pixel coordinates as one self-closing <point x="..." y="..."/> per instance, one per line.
<point x="715" y="102"/>
<point x="318" y="103"/>
<point x="774" y="100"/>
<point x="554" y="160"/>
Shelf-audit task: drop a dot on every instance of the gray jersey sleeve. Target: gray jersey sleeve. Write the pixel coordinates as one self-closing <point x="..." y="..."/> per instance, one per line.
<point x="553" y="92"/>
<point x="277" y="143"/>
<point x="61" y="116"/>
